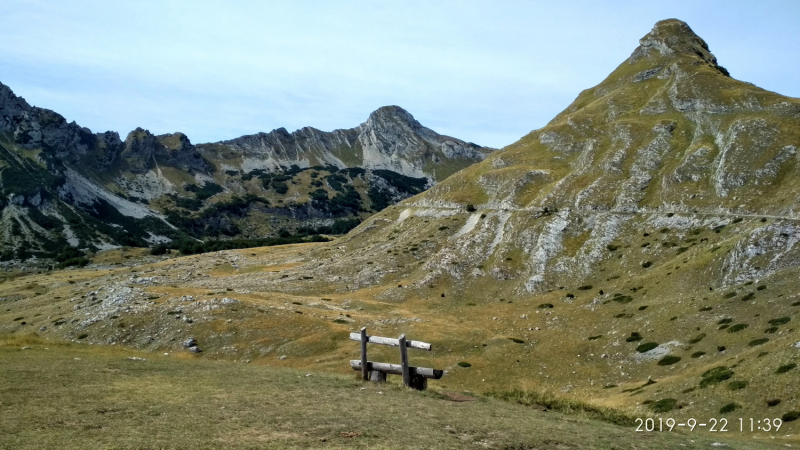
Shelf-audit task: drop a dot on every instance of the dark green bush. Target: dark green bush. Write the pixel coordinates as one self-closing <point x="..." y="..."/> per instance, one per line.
<point x="669" y="360"/>
<point x="757" y="342"/>
<point x="715" y="376"/>
<point x="791" y="416"/>
<point x="730" y="407"/>
<point x="664" y="405"/>
<point x="779" y="321"/>
<point x="464" y="364"/>
<point x="635" y="336"/>
<point x="697" y="338"/>
<point x="785" y="368"/>
<point x="646" y="347"/>
<point x="737" y="385"/>
<point x="738" y="327"/>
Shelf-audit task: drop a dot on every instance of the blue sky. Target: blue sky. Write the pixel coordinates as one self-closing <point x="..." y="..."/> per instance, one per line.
<point x="486" y="72"/>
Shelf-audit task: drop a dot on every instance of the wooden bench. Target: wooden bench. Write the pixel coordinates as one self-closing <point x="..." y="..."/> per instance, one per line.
<point x="413" y="377"/>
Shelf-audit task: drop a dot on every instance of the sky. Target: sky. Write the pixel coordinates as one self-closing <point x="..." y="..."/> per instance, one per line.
<point x="487" y="72"/>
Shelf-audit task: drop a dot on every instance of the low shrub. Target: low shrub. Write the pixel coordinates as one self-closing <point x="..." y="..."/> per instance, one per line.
<point x="715" y="376"/>
<point x="779" y="321"/>
<point x="697" y="338"/>
<point x="635" y="336"/>
<point x="737" y="385"/>
<point x="669" y="360"/>
<point x="730" y="407"/>
<point x="664" y="405"/>
<point x="738" y="327"/>
<point x="790" y="416"/>
<point x="646" y="347"/>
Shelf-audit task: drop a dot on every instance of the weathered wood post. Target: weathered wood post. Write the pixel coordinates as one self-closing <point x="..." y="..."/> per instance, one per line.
<point x="419" y="382"/>
<point x="404" y="360"/>
<point x="364" y="365"/>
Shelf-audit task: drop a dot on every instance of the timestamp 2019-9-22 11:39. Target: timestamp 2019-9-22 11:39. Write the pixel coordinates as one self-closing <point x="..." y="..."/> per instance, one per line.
<point x="716" y="425"/>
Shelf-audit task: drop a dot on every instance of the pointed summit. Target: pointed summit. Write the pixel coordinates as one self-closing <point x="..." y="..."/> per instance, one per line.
<point x="392" y="114"/>
<point x="674" y="38"/>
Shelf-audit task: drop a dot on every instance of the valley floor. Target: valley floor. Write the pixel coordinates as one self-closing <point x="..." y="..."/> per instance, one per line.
<point x="65" y="395"/>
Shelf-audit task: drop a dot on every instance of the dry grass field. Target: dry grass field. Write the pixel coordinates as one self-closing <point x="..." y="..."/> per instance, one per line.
<point x="76" y="396"/>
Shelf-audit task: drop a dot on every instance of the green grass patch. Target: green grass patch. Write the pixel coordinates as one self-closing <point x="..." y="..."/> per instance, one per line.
<point x="757" y="342"/>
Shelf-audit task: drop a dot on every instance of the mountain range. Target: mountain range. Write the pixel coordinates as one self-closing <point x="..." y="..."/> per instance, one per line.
<point x="66" y="190"/>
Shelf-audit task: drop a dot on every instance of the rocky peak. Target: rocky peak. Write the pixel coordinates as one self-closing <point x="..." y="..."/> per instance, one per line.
<point x="143" y="149"/>
<point x="673" y="37"/>
<point x="391" y="117"/>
